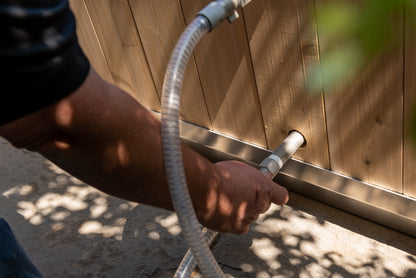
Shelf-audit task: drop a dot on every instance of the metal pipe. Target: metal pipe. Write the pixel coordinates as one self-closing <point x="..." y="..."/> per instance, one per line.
<point x="370" y="201"/>
<point x="272" y="164"/>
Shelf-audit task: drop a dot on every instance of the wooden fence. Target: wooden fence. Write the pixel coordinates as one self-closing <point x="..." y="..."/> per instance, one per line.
<point x="247" y="80"/>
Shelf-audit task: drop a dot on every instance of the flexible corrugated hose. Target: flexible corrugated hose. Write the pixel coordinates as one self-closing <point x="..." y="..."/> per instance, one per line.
<point x="175" y="72"/>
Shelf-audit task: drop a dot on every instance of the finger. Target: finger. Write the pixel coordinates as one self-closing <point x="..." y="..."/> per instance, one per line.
<point x="265" y="207"/>
<point x="250" y="219"/>
<point x="242" y="230"/>
<point x="279" y="195"/>
<point x="268" y="174"/>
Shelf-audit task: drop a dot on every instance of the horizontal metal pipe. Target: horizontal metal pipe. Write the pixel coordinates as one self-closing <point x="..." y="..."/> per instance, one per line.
<point x="274" y="162"/>
<point x="366" y="200"/>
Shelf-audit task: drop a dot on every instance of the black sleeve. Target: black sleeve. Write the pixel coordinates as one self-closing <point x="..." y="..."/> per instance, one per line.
<point x="40" y="58"/>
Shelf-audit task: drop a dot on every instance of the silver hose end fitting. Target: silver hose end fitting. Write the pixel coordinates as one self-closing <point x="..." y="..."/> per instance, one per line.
<point x="274" y="162"/>
<point x="218" y="11"/>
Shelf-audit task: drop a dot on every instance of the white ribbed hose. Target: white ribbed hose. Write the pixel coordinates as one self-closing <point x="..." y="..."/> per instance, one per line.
<point x="172" y="147"/>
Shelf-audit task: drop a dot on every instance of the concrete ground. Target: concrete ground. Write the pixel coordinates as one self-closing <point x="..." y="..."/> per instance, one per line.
<point x="72" y="230"/>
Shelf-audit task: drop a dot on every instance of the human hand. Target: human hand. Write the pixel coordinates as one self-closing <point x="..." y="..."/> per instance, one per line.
<point x="241" y="195"/>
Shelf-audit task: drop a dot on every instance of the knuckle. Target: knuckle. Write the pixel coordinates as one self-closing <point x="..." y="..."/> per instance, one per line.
<point x="241" y="230"/>
<point x="268" y="192"/>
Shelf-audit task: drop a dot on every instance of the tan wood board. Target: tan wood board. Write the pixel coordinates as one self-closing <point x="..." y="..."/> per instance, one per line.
<point x="160" y="24"/>
<point x="225" y="68"/>
<point x="88" y="39"/>
<point x="123" y="50"/>
<point x="365" y="121"/>
<point x="283" y="46"/>
<point x="247" y="80"/>
<point x="409" y="167"/>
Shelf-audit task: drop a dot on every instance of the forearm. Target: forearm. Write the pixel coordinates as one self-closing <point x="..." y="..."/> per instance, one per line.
<point x="103" y="136"/>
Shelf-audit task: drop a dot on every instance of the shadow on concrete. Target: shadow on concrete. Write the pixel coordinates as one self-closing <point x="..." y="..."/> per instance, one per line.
<point x="72" y="230"/>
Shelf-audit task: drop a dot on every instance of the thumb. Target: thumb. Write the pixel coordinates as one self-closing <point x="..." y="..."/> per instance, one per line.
<point x="279" y="194"/>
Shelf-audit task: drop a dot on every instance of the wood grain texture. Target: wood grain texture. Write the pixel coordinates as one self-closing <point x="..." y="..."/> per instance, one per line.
<point x="88" y="39"/>
<point x="227" y="78"/>
<point x="409" y="167"/>
<point x="123" y="51"/>
<point x="247" y="80"/>
<point x="283" y="45"/>
<point x="160" y="24"/>
<point x="365" y="120"/>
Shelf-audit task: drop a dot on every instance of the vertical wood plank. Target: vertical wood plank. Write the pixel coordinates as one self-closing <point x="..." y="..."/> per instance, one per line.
<point x="136" y="60"/>
<point x="227" y="78"/>
<point x="283" y="46"/>
<point x="409" y="172"/>
<point x="88" y="39"/>
<point x="122" y="50"/>
<point x="365" y="121"/>
<point x="160" y="24"/>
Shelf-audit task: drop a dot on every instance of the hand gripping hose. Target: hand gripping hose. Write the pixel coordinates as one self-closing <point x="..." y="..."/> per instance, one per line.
<point x="272" y="164"/>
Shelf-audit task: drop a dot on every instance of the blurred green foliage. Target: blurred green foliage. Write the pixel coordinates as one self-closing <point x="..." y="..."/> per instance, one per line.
<point x="352" y="33"/>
